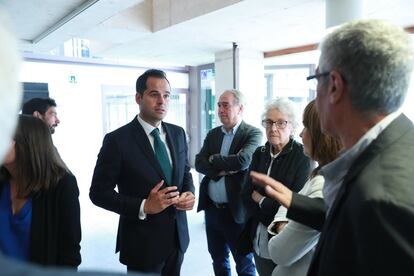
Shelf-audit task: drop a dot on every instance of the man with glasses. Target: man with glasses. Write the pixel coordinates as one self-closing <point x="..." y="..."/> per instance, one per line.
<point x="364" y="72"/>
<point x="224" y="160"/>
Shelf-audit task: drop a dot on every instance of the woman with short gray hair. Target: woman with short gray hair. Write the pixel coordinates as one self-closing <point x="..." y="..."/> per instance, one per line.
<point x="281" y="158"/>
<point x="284" y="106"/>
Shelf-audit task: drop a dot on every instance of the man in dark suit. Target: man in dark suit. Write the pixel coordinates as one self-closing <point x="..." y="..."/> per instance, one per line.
<point x="363" y="76"/>
<point x="147" y="160"/>
<point x="224" y="160"/>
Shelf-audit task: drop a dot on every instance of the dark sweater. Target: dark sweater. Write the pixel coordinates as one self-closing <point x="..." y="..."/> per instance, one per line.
<point x="291" y="167"/>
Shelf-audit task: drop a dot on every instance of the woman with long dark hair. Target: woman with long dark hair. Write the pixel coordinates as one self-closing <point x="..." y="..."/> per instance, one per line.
<point x="39" y="205"/>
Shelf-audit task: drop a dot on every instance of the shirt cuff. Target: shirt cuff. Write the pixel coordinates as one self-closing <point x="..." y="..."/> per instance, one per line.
<point x="142" y="215"/>
<point x="261" y="201"/>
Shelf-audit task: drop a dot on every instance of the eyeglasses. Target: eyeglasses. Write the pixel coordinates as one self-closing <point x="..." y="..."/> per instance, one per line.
<point x="267" y="123"/>
<point x="315" y="78"/>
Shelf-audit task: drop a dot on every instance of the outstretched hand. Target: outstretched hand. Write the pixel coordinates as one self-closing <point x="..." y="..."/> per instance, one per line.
<point x="158" y="199"/>
<point x="274" y="189"/>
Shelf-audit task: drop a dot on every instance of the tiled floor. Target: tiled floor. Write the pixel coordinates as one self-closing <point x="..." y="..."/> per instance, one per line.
<point x="98" y="242"/>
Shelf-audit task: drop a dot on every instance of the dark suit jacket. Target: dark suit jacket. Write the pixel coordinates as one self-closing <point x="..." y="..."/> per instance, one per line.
<point x="370" y="226"/>
<point x="245" y="141"/>
<point x="127" y="160"/>
<point x="310" y="211"/>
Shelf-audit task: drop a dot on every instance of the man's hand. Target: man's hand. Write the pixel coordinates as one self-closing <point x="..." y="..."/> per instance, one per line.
<point x="211" y="157"/>
<point x="280" y="225"/>
<point x="222" y="173"/>
<point x="185" y="201"/>
<point x="257" y="197"/>
<point x="158" y="199"/>
<point x="273" y="188"/>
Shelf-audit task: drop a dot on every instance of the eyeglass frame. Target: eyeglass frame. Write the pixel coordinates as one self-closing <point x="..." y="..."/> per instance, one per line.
<point x="316" y="76"/>
<point x="280" y="124"/>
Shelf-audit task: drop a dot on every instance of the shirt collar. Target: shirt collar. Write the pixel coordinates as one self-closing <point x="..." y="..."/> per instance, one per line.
<point x="335" y="171"/>
<point x="147" y="127"/>
<point x="233" y="130"/>
<point x="364" y="141"/>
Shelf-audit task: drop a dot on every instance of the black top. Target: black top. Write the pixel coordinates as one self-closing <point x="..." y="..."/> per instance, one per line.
<point x="56" y="229"/>
<point x="291" y="167"/>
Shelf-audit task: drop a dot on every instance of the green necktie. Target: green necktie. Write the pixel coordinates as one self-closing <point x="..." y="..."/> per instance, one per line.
<point x="162" y="156"/>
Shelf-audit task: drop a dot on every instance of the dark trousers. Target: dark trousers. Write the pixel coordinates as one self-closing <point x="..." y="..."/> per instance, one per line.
<point x="170" y="267"/>
<point x="222" y="236"/>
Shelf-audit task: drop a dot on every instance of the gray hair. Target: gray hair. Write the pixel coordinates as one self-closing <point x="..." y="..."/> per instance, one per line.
<point x="284" y="106"/>
<point x="238" y="96"/>
<point x="375" y="59"/>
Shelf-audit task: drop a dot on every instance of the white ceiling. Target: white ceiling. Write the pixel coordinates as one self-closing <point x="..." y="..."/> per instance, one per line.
<point x="182" y="32"/>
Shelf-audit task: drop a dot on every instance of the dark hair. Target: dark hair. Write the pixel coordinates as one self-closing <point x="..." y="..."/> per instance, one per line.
<point x="325" y="148"/>
<point x="141" y="85"/>
<point x="38" y="165"/>
<point x="40" y="105"/>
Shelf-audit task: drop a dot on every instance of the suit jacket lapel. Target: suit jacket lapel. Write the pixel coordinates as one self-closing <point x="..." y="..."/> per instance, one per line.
<point x="217" y="140"/>
<point x="143" y="142"/>
<point x="395" y="130"/>
<point x="237" y="138"/>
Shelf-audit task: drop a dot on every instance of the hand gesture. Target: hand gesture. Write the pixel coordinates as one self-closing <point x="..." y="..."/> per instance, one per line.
<point x="158" y="199"/>
<point x="185" y="201"/>
<point x="273" y="188"/>
<point x="256" y="196"/>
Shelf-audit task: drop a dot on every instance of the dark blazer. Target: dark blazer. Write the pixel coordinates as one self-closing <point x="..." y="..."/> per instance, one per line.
<point x="310" y="211"/>
<point x="55" y="228"/>
<point x="127" y="160"/>
<point x="370" y="226"/>
<point x="291" y="167"/>
<point x="245" y="141"/>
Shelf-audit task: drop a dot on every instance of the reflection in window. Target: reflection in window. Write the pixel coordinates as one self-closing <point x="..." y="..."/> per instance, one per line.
<point x="290" y="81"/>
<point x="120" y="110"/>
<point x="120" y="107"/>
<point x="74" y="47"/>
<point x="177" y="111"/>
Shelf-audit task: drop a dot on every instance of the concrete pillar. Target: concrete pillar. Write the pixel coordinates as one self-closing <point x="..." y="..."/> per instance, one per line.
<point x="194" y="126"/>
<point x="341" y="11"/>
<point x="249" y="80"/>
